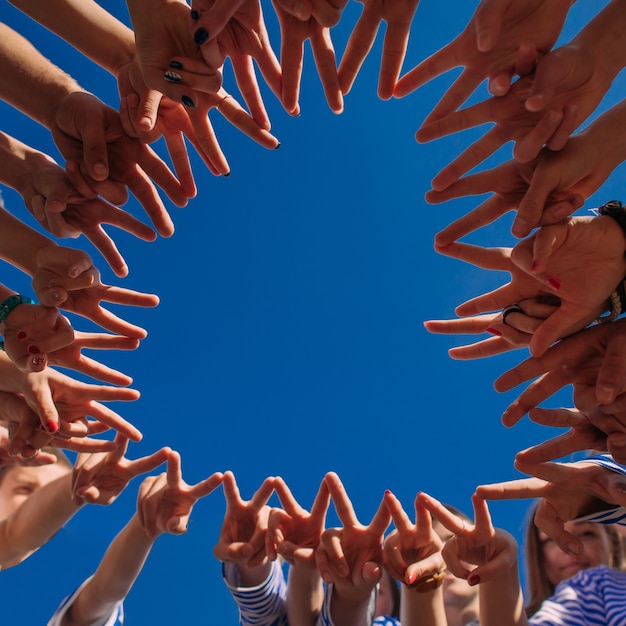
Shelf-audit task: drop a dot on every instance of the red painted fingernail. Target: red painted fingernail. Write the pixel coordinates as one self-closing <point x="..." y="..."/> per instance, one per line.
<point x="52" y="426"/>
<point x="474" y="579"/>
<point x="21" y="335"/>
<point x="555" y="283"/>
<point x="387" y="492"/>
<point x="493" y="331"/>
<point x="34" y="349"/>
<point x="412" y="578"/>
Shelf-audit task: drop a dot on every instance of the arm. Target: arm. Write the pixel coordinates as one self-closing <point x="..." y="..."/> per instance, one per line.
<point x="36" y="521"/>
<point x="164" y="505"/>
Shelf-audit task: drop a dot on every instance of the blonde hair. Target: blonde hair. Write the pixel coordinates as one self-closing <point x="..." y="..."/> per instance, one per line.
<point x="539" y="588"/>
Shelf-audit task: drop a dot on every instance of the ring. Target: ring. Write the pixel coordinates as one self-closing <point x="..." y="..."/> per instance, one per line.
<point x="462" y="529"/>
<point x="222" y="101"/>
<point x="512" y="308"/>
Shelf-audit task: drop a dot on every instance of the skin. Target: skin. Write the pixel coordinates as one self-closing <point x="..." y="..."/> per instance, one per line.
<point x="560" y="565"/>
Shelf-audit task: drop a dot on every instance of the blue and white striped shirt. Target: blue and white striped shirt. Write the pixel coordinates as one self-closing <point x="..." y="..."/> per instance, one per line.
<point x="263" y="605"/>
<point x="593" y="597"/>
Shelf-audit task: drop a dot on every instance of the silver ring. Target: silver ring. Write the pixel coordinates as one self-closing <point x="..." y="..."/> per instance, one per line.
<point x="462" y="529"/>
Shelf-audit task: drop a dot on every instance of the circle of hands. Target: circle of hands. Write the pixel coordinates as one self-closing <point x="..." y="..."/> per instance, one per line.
<point x="562" y="272"/>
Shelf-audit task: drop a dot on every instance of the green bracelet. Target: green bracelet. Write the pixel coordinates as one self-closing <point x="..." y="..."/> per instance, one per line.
<point x="10" y="303"/>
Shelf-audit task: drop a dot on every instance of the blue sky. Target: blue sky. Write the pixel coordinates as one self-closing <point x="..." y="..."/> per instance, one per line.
<point x="289" y="338"/>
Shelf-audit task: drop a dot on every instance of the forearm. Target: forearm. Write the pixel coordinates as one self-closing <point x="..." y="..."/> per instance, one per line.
<point x="86" y="26"/>
<point x="501" y="600"/>
<point x="604" y="37"/>
<point x="116" y="574"/>
<point x="11" y="379"/>
<point x="347" y="609"/>
<point x="20" y="243"/>
<point x="35" y="521"/>
<point x="604" y="139"/>
<point x="305" y="595"/>
<point x="29" y="81"/>
<point x="422" y="609"/>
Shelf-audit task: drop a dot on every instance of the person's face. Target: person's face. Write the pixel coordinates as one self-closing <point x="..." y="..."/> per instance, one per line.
<point x="560" y="566"/>
<point x="20" y="482"/>
<point x="456" y="591"/>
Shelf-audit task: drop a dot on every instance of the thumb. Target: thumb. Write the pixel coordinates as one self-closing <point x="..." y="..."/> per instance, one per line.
<point x="149" y="101"/>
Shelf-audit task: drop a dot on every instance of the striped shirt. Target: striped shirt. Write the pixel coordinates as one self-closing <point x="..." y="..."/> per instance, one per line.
<point x="612" y="515"/>
<point x="263" y="605"/>
<point x="116" y="618"/>
<point x="593" y="597"/>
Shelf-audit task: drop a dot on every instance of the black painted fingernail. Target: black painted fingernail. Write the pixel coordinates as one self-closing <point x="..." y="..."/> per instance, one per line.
<point x="176" y="65"/>
<point x="201" y="36"/>
<point x="172" y="77"/>
<point x="227" y="175"/>
<point x="188" y="102"/>
<point x="278" y="146"/>
<point x="194" y="15"/>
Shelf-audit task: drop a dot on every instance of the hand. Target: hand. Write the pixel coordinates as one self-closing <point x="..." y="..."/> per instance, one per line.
<point x="238" y="29"/>
<point x="67" y="278"/>
<point x="99" y="478"/>
<point x="543" y="191"/>
<point x="491" y="551"/>
<point x="588" y="431"/>
<point x="294" y="32"/>
<point x="57" y="398"/>
<point x="72" y="357"/>
<point x="398" y="14"/>
<point x="12" y="411"/>
<point x="351" y="556"/>
<point x="242" y="537"/>
<point x="579" y="91"/>
<point x="64" y="212"/>
<point x="86" y="130"/>
<point x="567" y="491"/>
<point x="489" y="47"/>
<point x="293" y="532"/>
<point x="31" y="332"/>
<point x="515" y="333"/>
<point x="592" y="360"/>
<point x="165" y="502"/>
<point x="411" y="551"/>
<point x="161" y="34"/>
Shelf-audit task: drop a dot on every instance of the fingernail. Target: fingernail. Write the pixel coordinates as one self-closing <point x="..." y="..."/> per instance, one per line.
<point x="278" y="146"/>
<point x="520" y="227"/>
<point x="387" y="492"/>
<point x="605" y="394"/>
<point x="493" y="331"/>
<point x="474" y="579"/>
<point x="33" y="350"/>
<point x="38" y="361"/>
<point x="172" y="77"/>
<point x="188" y="102"/>
<point x="328" y="579"/>
<point x="51" y="426"/>
<point x="343" y="571"/>
<point x="227" y="175"/>
<point x="21" y="335"/>
<point x="55" y="295"/>
<point x="555" y="283"/>
<point x="194" y="15"/>
<point x="201" y="36"/>
<point x="412" y="578"/>
<point x="176" y="65"/>
<point x="100" y="169"/>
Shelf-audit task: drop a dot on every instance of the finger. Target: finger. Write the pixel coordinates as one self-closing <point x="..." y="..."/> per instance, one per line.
<point x="113" y="420"/>
<point x="398" y="515"/>
<point x="548" y="521"/>
<point x="435" y="65"/>
<point x="394" y="50"/>
<point x="486" y="213"/>
<point x="381" y="520"/>
<point x="358" y="47"/>
<point x="485" y="258"/>
<point x="206" y="143"/>
<point x="249" y="88"/>
<point x="148" y="463"/>
<point x="324" y="55"/>
<point x="290" y="504"/>
<point x="454" y="123"/>
<point x="450" y="521"/>
<point x="455" y="96"/>
<point x="488" y="23"/>
<point x="559" y="325"/>
<point x="231" y="490"/>
<point x="468" y="159"/>
<point x="522" y="488"/>
<point x="612" y="372"/>
<point x="342" y="502"/>
<point x="529" y="146"/>
<point x="236" y="115"/>
<point x="291" y="54"/>
<point x="566" y="128"/>
<point x="208" y="485"/>
<point x="483" y="349"/>
<point x="263" y="494"/>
